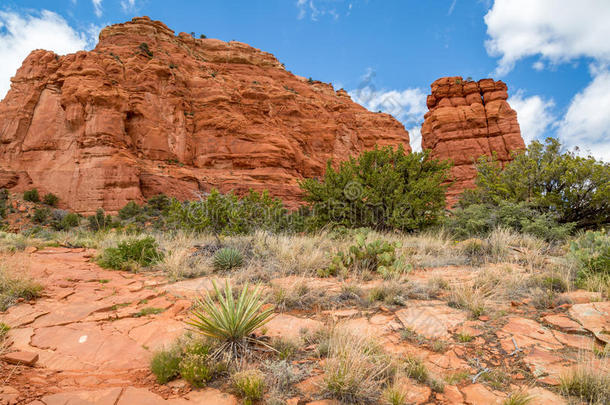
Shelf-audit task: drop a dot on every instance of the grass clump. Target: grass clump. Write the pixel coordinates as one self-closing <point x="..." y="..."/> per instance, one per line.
<point x="230" y="322"/>
<point x="518" y="398"/>
<point x="591" y="254"/>
<point x="32" y="195"/>
<point x="13" y="287"/>
<point x="250" y="385"/>
<point x="165" y="364"/>
<point x="148" y="311"/>
<point x="587" y="384"/>
<point x="135" y="252"/>
<point x="356" y="368"/>
<point x="227" y="258"/>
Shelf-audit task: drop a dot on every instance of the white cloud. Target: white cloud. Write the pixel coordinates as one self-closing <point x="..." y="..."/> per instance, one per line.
<point x="587" y="121"/>
<point x="128" y="5"/>
<point x="452" y="7"/>
<point x="408" y="106"/>
<point x="318" y="8"/>
<point x="534" y="115"/>
<point x="21" y="34"/>
<point x="97" y="7"/>
<point x="557" y="30"/>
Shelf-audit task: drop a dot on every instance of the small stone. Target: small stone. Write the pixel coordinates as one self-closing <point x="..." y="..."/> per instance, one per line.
<point x="22" y="358"/>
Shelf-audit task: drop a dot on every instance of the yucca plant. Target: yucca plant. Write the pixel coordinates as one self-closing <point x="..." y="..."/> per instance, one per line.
<point x="230" y="321"/>
<point x="227" y="259"/>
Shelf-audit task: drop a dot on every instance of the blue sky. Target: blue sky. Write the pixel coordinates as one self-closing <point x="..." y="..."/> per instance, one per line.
<point x="553" y="54"/>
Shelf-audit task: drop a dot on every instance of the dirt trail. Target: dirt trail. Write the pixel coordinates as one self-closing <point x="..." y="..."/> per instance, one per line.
<point x="95" y="330"/>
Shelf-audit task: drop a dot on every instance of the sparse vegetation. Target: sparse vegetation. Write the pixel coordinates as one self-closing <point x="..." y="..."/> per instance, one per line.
<point x="250" y="385"/>
<point x="587" y="383"/>
<point x="50" y="199"/>
<point x="14" y="286"/>
<point x="130" y="254"/>
<point x="31" y="196"/>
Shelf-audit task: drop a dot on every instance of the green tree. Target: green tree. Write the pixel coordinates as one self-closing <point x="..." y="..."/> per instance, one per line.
<point x="571" y="188"/>
<point x="382" y="189"/>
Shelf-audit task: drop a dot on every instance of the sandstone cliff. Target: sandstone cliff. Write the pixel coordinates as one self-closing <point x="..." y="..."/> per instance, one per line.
<point x="149" y="112"/>
<point x="466" y="120"/>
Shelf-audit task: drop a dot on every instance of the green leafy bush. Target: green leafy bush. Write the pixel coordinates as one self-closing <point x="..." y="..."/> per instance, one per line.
<point x="591" y="252"/>
<point x="378" y="256"/>
<point x="130" y="210"/>
<point x="31" y="195"/>
<point x="480" y="219"/>
<point x="226" y="214"/>
<point x="69" y="221"/>
<point x="227" y="259"/>
<point x="99" y="221"/>
<point x="50" y="199"/>
<point x="569" y="188"/>
<point x="143" y="252"/>
<point x="41" y="215"/>
<point x="232" y="321"/>
<point x="381" y="189"/>
<point x="157" y="205"/>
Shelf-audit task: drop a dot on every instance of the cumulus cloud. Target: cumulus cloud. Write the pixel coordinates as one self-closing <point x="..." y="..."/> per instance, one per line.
<point x="534" y="114"/>
<point x="21" y="34"/>
<point x="587" y="121"/>
<point x="557" y="30"/>
<point x="97" y="7"/>
<point x="408" y="105"/>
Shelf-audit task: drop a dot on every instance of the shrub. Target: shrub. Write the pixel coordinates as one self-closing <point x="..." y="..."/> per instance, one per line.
<point x="31" y="195"/>
<point x="591" y="253"/>
<point x="572" y="189"/>
<point x="250" y="385"/>
<point x="41" y="215"/>
<point x="130" y="210"/>
<point x="3" y="194"/>
<point x="157" y="205"/>
<point x="232" y="321"/>
<point x="382" y="189"/>
<point x="227" y="259"/>
<point x="588" y="384"/>
<point x="70" y="220"/>
<point x="226" y="214"/>
<point x="145" y="49"/>
<point x="165" y="364"/>
<point x="3" y="210"/>
<point x="480" y="219"/>
<point x="195" y="369"/>
<point x="99" y="221"/>
<point x="50" y="199"/>
<point x="378" y="256"/>
<point x="143" y="252"/>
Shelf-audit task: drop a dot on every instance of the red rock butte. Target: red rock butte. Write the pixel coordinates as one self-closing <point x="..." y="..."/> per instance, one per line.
<point x="466" y="120"/>
<point x="149" y="112"/>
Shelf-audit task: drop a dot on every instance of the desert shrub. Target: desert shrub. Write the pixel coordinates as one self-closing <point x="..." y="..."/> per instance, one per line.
<point x="50" y="199"/>
<point x="3" y="210"/>
<point x="591" y="253"/>
<point x="157" y="205"/>
<point x="227" y="258"/>
<point x="232" y="321"/>
<point x="480" y="219"/>
<point x="143" y="252"/>
<point x="381" y="189"/>
<point x="31" y="195"/>
<point x="250" y="385"/>
<point x="3" y="194"/>
<point x="99" y="221"/>
<point x="41" y="215"/>
<point x="165" y="364"/>
<point x="130" y="210"/>
<point x="68" y="221"/>
<point x="227" y="214"/>
<point x="145" y="49"/>
<point x="569" y="188"/>
<point x="377" y="256"/>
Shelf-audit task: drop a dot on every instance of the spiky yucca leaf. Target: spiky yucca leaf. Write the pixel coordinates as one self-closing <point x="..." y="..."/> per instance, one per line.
<point x="227" y="259"/>
<point x="231" y="321"/>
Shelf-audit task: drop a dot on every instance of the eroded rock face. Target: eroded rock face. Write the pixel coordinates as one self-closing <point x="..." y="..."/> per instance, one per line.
<point x="147" y="112"/>
<point x="466" y="120"/>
